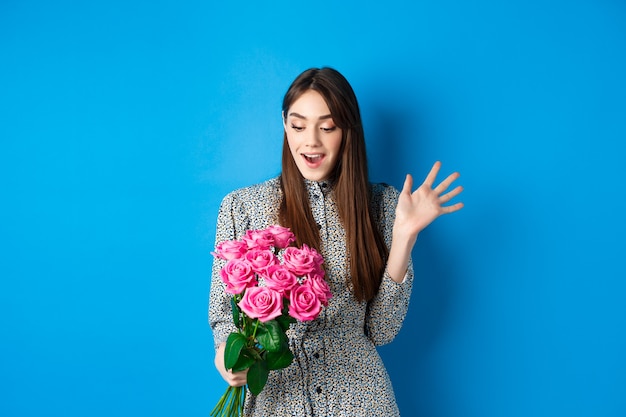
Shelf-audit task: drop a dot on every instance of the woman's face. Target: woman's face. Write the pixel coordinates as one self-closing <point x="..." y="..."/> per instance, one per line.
<point x="313" y="137"/>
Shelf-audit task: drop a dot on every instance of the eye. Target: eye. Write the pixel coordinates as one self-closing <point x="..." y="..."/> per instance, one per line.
<point x="329" y="129"/>
<point x="297" y="128"/>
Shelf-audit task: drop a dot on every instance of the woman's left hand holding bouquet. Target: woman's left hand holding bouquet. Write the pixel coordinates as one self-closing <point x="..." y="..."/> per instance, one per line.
<point x="234" y="379"/>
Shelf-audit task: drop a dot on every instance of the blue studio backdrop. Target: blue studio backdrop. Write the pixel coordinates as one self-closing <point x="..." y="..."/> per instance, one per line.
<point x="123" y="124"/>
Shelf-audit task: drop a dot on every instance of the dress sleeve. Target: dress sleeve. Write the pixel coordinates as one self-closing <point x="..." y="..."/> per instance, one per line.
<point x="387" y="310"/>
<point x="231" y="219"/>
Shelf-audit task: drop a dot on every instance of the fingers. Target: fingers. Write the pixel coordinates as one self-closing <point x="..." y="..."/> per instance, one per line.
<point x="432" y="175"/>
<point x="449" y="196"/>
<point x="443" y="185"/>
<point x="439" y="189"/>
<point x="234" y="379"/>
<point x="452" y="208"/>
<point x="408" y="184"/>
<point x="237" y="379"/>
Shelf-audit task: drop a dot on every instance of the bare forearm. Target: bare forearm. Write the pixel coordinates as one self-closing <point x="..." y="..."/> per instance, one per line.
<point x="399" y="255"/>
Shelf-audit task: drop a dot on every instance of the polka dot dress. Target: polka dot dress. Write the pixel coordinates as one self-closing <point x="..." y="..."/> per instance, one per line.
<point x="337" y="370"/>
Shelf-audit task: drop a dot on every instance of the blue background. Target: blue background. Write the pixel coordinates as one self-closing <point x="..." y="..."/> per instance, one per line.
<point x="123" y="124"/>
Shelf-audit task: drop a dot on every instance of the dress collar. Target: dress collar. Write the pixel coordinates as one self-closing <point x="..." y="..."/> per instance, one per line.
<point x="315" y="187"/>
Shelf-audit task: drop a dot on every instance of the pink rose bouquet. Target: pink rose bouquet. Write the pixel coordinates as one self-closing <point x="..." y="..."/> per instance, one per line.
<point x="268" y="295"/>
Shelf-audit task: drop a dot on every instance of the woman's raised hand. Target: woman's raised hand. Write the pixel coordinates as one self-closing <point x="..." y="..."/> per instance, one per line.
<point x="417" y="209"/>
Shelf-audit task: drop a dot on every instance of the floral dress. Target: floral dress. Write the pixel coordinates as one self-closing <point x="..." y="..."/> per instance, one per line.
<point x="337" y="370"/>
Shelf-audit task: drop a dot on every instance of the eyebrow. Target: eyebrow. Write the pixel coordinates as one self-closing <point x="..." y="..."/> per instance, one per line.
<point x="299" y="116"/>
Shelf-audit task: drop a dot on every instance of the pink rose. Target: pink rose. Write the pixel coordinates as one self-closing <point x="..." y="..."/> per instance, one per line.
<point x="319" y="286"/>
<point x="261" y="303"/>
<point x="280" y="279"/>
<point x="302" y="261"/>
<point x="317" y="271"/>
<point x="304" y="304"/>
<point x="238" y="275"/>
<point x="283" y="237"/>
<point x="319" y="259"/>
<point x="230" y="249"/>
<point x="261" y="259"/>
<point x="258" y="239"/>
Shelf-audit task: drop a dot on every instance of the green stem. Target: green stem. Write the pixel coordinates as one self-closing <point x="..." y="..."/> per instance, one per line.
<point x="256" y="326"/>
<point x="231" y="403"/>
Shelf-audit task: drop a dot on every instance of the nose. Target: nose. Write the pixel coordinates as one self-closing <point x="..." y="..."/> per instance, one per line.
<point x="312" y="138"/>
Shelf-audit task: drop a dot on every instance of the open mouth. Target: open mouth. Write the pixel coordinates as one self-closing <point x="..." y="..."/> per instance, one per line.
<point x="313" y="158"/>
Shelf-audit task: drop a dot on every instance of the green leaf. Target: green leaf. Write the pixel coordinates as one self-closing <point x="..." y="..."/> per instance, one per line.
<point x="235" y="308"/>
<point x="271" y="336"/>
<point x="234" y="344"/>
<point x="279" y="360"/>
<point x="285" y="321"/>
<point x="245" y="361"/>
<point x="257" y="377"/>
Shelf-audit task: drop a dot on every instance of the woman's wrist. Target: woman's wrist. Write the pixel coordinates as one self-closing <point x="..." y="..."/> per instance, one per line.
<point x="399" y="254"/>
<point x="403" y="241"/>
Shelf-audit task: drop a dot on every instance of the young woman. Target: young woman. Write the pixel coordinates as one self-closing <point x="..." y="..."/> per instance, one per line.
<point x="364" y="231"/>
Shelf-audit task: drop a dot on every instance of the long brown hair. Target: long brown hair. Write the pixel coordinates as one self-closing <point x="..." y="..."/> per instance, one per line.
<point x="367" y="251"/>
